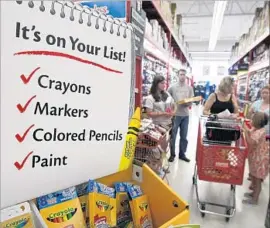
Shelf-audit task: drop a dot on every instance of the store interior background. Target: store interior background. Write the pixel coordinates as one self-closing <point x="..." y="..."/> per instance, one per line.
<point x="192" y="31"/>
<point x="197" y="24"/>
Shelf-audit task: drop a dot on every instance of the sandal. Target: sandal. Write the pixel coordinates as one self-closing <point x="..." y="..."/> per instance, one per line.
<point x="249" y="202"/>
<point x="248" y="194"/>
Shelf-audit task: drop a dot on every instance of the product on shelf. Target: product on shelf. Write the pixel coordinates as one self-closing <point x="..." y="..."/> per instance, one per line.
<point x="151" y="68"/>
<point x="260" y="54"/>
<point x="257" y="81"/>
<point x="260" y="28"/>
<point x="17" y="216"/>
<point x="61" y="208"/>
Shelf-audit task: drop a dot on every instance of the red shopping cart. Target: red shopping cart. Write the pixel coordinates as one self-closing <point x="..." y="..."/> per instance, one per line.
<point x="220" y="158"/>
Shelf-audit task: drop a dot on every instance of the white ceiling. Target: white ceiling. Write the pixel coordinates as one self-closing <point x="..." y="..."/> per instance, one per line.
<point x="197" y="19"/>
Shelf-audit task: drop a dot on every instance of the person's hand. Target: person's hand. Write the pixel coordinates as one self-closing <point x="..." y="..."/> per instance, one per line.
<point x="169" y="114"/>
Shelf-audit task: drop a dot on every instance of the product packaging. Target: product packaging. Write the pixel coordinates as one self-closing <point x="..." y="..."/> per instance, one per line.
<point x="61" y="209"/>
<point x="17" y="216"/>
<point x="188" y="100"/>
<point x="101" y="204"/>
<point x="83" y="197"/>
<point x="123" y="211"/>
<point x="140" y="209"/>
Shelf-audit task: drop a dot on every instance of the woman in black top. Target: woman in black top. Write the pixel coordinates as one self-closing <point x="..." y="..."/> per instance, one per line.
<point x="222" y="99"/>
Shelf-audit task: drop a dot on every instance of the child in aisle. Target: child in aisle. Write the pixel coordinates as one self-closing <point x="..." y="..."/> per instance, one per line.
<point x="258" y="155"/>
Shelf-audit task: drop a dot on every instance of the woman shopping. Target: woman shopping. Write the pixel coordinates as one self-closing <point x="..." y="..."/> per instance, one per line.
<point x="159" y="104"/>
<point x="262" y="105"/>
<point x="222" y="100"/>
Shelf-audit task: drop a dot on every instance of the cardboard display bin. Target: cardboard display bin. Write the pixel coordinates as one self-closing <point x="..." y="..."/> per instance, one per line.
<point x="167" y="208"/>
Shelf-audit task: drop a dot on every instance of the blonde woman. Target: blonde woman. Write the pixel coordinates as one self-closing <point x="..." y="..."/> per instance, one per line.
<point x="222" y="99"/>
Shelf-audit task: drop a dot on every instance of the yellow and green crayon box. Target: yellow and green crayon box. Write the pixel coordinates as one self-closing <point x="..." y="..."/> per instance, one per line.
<point x="83" y="197"/>
<point x="61" y="209"/>
<point x="102" y="205"/>
<point x="123" y="211"/>
<point x="140" y="208"/>
<point x="18" y="216"/>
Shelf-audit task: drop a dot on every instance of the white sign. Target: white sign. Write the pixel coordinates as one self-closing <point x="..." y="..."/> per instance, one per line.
<point x="65" y="92"/>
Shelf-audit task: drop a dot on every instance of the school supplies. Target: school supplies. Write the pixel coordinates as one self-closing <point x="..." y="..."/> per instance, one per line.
<point x="18" y="216"/>
<point x="83" y="197"/>
<point x="102" y="205"/>
<point x="61" y="209"/>
<point x="140" y="209"/>
<point x="188" y="100"/>
<point x="131" y="140"/>
<point x="123" y="211"/>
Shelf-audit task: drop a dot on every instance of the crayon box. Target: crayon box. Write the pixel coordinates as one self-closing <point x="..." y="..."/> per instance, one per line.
<point x="83" y="197"/>
<point x="123" y="211"/>
<point x="18" y="216"/>
<point x="102" y="205"/>
<point x="61" y="209"/>
<point x="140" y="209"/>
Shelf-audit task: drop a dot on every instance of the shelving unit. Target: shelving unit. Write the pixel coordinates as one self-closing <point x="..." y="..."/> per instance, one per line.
<point x="264" y="38"/>
<point x="256" y="55"/>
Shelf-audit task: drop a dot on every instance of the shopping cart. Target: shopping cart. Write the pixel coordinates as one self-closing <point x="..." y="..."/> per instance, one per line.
<point x="153" y="152"/>
<point x="220" y="158"/>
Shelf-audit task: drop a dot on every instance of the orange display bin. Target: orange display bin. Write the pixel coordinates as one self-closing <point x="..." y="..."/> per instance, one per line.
<point x="167" y="208"/>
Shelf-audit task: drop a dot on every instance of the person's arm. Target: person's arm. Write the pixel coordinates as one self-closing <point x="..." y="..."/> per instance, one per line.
<point x="208" y="104"/>
<point x="235" y="105"/>
<point x="251" y="110"/>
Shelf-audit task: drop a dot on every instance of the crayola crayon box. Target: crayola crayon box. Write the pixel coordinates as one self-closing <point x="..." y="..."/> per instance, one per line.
<point x="61" y="209"/>
<point x="102" y="205"/>
<point x="123" y="211"/>
<point x="82" y="194"/>
<point x="140" y="209"/>
<point x="18" y="216"/>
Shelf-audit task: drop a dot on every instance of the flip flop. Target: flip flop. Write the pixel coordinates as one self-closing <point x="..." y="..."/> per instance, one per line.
<point x="248" y="195"/>
<point x="249" y="202"/>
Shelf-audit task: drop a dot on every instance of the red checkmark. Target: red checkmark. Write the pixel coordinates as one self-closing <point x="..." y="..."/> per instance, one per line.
<point x="18" y="165"/>
<point x="23" y="108"/>
<point x="27" y="79"/>
<point x="21" y="138"/>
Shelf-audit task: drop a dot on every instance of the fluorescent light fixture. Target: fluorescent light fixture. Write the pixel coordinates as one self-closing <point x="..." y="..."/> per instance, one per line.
<point x="211" y="58"/>
<point x="210" y="52"/>
<point x="218" y="15"/>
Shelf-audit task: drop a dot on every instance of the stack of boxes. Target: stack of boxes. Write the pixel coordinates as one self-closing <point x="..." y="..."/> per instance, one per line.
<point x="259" y="28"/>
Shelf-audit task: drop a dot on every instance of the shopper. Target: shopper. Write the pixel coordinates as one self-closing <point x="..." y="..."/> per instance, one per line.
<point x="180" y="91"/>
<point x="222" y="99"/>
<point x="159" y="104"/>
<point x="258" y="155"/>
<point x="262" y="105"/>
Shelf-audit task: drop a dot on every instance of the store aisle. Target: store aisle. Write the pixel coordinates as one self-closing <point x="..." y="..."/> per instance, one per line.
<point x="180" y="180"/>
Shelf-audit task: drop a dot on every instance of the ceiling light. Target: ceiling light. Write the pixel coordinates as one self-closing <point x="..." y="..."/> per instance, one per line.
<point x="218" y="15"/>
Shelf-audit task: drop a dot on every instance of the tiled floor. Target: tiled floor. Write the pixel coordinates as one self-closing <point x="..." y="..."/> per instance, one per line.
<point x="180" y="179"/>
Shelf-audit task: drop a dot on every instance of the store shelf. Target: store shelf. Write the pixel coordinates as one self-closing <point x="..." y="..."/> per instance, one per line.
<point x="264" y="37"/>
<point x="259" y="66"/>
<point x="152" y="8"/>
<point x="153" y="49"/>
